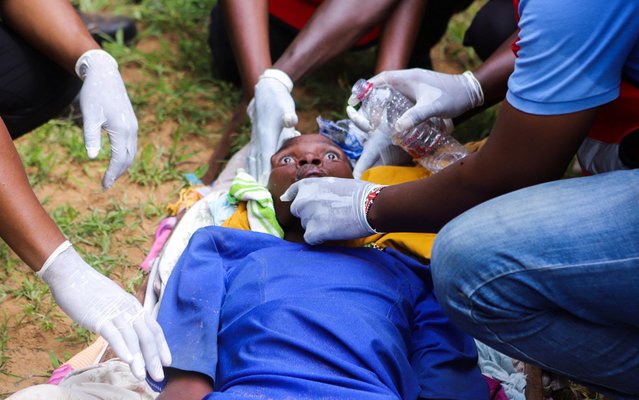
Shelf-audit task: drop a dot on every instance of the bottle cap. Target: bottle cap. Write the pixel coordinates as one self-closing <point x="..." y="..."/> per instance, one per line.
<point x="360" y="90"/>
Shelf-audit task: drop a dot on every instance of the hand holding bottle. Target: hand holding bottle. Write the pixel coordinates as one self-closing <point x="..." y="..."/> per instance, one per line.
<point x="378" y="149"/>
<point x="434" y="94"/>
<point x="428" y="143"/>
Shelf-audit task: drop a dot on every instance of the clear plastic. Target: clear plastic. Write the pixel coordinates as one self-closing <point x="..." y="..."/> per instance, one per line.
<point x="429" y="143"/>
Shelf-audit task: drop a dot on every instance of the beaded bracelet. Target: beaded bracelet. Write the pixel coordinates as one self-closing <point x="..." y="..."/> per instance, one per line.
<point x="370" y="199"/>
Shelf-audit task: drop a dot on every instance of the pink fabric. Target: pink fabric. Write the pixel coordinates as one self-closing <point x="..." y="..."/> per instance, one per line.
<point x="495" y="389"/>
<point x="59" y="373"/>
<point x="161" y="235"/>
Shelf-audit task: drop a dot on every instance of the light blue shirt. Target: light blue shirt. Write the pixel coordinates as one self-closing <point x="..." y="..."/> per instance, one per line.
<point x="573" y="54"/>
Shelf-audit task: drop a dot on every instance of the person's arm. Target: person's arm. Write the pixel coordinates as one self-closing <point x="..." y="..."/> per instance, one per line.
<point x="247" y="26"/>
<point x="27" y="228"/>
<point x="522" y="150"/>
<point x="399" y="34"/>
<point x="494" y="72"/>
<point x="184" y="385"/>
<point x="88" y="297"/>
<point x="51" y="26"/>
<point x="54" y="28"/>
<point x="335" y="26"/>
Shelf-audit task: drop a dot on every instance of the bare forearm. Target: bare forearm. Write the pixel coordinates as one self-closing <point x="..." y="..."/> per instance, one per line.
<point x="26" y="228"/>
<point x="247" y="26"/>
<point x="51" y="26"/>
<point x="494" y="72"/>
<point x="522" y="150"/>
<point x="334" y="28"/>
<point x="399" y="34"/>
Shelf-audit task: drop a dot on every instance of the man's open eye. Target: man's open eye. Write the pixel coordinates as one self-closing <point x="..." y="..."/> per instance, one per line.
<point x="332" y="156"/>
<point x="287" y="160"/>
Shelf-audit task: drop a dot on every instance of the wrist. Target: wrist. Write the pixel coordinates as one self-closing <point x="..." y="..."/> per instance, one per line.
<point x="278" y="75"/>
<point x="370" y="199"/>
<point x="84" y="62"/>
<point x="64" y="246"/>
<point x="475" y="92"/>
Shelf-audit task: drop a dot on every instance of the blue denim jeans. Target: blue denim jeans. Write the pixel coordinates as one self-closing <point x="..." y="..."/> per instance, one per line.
<point x="550" y="275"/>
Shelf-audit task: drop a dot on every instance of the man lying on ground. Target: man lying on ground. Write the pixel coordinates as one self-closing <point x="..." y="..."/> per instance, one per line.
<point x="249" y="315"/>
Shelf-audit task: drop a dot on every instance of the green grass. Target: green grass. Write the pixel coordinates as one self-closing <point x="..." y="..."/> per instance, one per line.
<point x="182" y="109"/>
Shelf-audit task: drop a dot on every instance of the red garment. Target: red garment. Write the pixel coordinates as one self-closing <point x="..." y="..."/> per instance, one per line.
<point x="297" y="13"/>
<point x="515" y="46"/>
<point x="614" y="121"/>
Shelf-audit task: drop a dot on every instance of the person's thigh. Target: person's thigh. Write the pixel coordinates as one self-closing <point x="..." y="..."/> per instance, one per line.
<point x="33" y="89"/>
<point x="550" y="275"/>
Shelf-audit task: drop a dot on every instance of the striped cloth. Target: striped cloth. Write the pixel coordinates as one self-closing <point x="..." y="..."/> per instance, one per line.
<point x="259" y="203"/>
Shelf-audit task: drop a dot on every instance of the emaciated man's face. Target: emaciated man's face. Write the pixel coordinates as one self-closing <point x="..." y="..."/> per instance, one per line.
<point x="305" y="156"/>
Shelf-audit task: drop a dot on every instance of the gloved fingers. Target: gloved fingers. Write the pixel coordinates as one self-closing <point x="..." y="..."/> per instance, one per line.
<point x="415" y="116"/>
<point x="92" y="125"/>
<point x="358" y="119"/>
<point x="291" y="193"/>
<point x="389" y="78"/>
<point x="148" y="348"/>
<point x="299" y="194"/>
<point x="160" y="341"/>
<point x="251" y="164"/>
<point x="123" y="148"/>
<point x="314" y="233"/>
<point x="370" y="156"/>
<point x="126" y="327"/>
<point x="112" y="335"/>
<point x="408" y="82"/>
<point x="287" y="133"/>
<point x="289" y="119"/>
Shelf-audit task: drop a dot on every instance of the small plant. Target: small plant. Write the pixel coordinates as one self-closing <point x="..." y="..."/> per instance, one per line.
<point x="4" y="339"/>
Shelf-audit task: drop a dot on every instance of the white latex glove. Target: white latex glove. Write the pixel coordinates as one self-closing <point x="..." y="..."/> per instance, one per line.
<point x="378" y="148"/>
<point x="100" y="305"/>
<point x="330" y="208"/>
<point x="105" y="104"/>
<point x="435" y="94"/>
<point x="271" y="110"/>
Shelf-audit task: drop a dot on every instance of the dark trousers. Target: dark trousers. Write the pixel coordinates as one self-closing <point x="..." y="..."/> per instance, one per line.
<point x="33" y="89"/>
<point x="492" y="25"/>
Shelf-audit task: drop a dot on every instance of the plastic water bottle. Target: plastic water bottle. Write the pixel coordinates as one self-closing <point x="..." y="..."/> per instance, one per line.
<point x="429" y="143"/>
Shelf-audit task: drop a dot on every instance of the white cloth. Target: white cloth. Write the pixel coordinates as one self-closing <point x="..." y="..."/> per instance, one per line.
<point x="105" y="381"/>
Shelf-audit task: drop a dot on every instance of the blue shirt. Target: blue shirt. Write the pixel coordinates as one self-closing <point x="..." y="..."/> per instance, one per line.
<point x="573" y="54"/>
<point x="270" y="319"/>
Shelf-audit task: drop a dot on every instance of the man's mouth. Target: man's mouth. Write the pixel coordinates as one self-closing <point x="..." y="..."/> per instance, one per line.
<point x="310" y="171"/>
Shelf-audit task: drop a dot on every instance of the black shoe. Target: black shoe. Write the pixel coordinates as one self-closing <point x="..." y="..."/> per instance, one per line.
<point x="105" y="26"/>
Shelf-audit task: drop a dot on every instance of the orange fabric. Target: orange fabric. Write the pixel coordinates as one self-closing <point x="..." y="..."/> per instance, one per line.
<point x="418" y="245"/>
<point x="297" y="13"/>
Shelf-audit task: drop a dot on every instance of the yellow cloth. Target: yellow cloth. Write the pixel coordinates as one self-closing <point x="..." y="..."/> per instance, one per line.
<point x="418" y="245"/>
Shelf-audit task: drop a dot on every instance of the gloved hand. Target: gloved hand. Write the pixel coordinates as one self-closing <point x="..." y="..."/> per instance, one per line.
<point x="100" y="305"/>
<point x="330" y="208"/>
<point x="435" y="94"/>
<point x="378" y="148"/>
<point x="105" y="104"/>
<point x="271" y="110"/>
